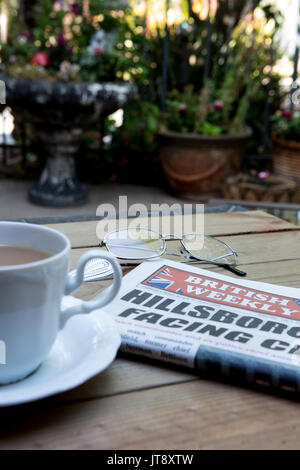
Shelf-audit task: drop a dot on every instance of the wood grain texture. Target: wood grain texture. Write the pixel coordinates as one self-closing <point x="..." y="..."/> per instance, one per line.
<point x="83" y="234"/>
<point x="195" y="415"/>
<point x="137" y="405"/>
<point x="123" y="376"/>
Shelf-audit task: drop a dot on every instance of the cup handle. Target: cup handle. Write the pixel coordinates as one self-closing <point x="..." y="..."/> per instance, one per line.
<point x="100" y="300"/>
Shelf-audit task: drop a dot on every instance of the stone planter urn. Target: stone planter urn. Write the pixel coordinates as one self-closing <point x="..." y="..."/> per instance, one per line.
<point x="60" y="114"/>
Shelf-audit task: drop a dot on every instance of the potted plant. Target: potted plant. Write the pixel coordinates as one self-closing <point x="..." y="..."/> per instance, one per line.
<point x="202" y="140"/>
<point x="286" y="143"/>
<point x="205" y="129"/>
<point x="63" y="75"/>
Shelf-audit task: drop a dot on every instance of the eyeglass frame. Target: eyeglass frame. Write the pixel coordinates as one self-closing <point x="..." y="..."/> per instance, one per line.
<point x="172" y="237"/>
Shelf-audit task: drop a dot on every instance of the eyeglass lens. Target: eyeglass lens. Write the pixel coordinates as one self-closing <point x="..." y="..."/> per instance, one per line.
<point x="208" y="248"/>
<point x="135" y="244"/>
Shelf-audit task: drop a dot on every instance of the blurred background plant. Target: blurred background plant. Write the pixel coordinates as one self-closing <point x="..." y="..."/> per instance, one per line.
<point x="211" y="68"/>
<point x="63" y="40"/>
<point x="286" y="125"/>
<point x="208" y="65"/>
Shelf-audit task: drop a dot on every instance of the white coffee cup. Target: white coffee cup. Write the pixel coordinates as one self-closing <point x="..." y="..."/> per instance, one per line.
<point x="31" y="296"/>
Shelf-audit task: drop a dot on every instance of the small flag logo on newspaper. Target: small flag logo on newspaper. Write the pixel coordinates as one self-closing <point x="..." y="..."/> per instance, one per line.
<point x="161" y="281"/>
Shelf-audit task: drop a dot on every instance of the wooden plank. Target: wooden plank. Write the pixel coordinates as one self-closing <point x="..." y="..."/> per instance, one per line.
<point x="244" y="222"/>
<point x="262" y="205"/>
<point x="259" y="248"/>
<point x="284" y="273"/>
<point x="83" y="234"/>
<point x="196" y="415"/>
<point x="123" y="376"/>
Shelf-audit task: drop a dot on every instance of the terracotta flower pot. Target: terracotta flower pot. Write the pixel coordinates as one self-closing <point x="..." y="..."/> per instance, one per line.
<point x="197" y="165"/>
<point x="286" y="158"/>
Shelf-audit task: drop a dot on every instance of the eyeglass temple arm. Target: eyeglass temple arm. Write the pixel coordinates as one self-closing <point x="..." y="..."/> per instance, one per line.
<point x="233" y="269"/>
<point x="227" y="266"/>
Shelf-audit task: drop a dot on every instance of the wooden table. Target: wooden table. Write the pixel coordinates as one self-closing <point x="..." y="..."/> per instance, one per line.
<point x="134" y="405"/>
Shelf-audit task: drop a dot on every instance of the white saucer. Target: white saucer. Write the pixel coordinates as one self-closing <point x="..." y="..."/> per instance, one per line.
<point x="85" y="347"/>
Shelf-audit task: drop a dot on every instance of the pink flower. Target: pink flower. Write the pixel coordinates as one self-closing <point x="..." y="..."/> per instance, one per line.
<point x="287" y="114"/>
<point x="24" y="36"/>
<point x="218" y="105"/>
<point x="98" y="51"/>
<point x="65" y="67"/>
<point x="13" y="59"/>
<point x="26" y="33"/>
<point x="68" y="70"/>
<point x="22" y="39"/>
<point x="182" y="109"/>
<point x="41" y="58"/>
<point x="75" y="8"/>
<point x="263" y="175"/>
<point x="61" y="41"/>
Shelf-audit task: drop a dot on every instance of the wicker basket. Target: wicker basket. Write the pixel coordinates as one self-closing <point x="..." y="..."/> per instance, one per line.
<point x="273" y="189"/>
<point x="286" y="158"/>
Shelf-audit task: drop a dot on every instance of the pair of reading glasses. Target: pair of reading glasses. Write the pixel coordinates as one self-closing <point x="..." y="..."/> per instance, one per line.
<point x="143" y="244"/>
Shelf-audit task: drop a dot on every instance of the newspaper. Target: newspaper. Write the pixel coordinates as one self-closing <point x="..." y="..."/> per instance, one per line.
<point x="178" y="313"/>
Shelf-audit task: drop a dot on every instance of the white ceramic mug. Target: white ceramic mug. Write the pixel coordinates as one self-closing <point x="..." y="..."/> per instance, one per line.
<point x="31" y="296"/>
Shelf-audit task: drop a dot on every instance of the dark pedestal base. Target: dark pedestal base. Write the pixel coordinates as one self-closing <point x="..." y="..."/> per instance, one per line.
<point x="71" y="193"/>
<point x="58" y="185"/>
